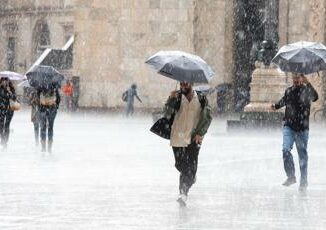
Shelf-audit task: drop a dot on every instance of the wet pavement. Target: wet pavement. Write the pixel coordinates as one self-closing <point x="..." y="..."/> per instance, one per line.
<point x="111" y="173"/>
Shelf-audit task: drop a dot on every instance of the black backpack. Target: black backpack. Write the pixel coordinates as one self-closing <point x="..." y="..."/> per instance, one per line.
<point x="124" y="96"/>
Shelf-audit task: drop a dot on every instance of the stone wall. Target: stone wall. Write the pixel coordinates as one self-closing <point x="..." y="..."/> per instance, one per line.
<point x="114" y="38"/>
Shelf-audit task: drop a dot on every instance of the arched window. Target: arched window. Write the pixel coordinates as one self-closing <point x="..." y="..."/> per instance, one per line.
<point x="41" y="38"/>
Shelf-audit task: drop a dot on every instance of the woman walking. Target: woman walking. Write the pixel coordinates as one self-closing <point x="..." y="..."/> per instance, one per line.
<point x="7" y="95"/>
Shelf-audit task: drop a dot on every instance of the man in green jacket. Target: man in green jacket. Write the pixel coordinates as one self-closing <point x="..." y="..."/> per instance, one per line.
<point x="192" y="117"/>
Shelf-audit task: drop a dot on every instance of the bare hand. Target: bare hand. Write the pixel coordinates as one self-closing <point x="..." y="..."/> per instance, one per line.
<point x="198" y="139"/>
<point x="173" y="94"/>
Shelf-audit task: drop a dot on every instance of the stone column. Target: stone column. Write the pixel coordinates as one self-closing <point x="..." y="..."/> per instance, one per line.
<point x="267" y="86"/>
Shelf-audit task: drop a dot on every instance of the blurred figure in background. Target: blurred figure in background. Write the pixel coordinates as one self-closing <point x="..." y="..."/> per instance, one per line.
<point x="128" y="96"/>
<point x="68" y="92"/>
<point x="7" y="99"/>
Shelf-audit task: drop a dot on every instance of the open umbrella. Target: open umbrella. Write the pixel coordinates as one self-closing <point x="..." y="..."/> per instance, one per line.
<point x="301" y="57"/>
<point x="181" y="66"/>
<point x="13" y="76"/>
<point x="42" y="76"/>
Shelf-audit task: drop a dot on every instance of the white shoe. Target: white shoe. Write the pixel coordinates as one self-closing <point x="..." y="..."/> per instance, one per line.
<point x="182" y="200"/>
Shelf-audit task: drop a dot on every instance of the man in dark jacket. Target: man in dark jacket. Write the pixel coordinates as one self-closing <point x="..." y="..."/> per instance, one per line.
<point x="192" y="117"/>
<point x="297" y="101"/>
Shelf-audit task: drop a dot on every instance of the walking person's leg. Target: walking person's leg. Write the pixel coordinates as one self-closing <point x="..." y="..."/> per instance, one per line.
<point x="180" y="164"/>
<point x="36" y="132"/>
<point x="51" y="118"/>
<point x="186" y="160"/>
<point x="8" y="118"/>
<point x="2" y="125"/>
<point x="190" y="169"/>
<point x="288" y="141"/>
<point x="43" y="120"/>
<point x="301" y="140"/>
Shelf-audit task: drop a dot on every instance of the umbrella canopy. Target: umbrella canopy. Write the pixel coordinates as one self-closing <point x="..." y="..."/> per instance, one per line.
<point x="42" y="76"/>
<point x="301" y="57"/>
<point x="181" y="66"/>
<point x="13" y="76"/>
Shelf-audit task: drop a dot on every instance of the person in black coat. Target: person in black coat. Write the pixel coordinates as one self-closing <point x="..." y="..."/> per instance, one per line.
<point x="297" y="101"/>
<point x="7" y="93"/>
<point x="49" y="100"/>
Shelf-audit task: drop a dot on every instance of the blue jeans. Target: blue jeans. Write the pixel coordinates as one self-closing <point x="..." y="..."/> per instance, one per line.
<point x="301" y="141"/>
<point x="47" y="117"/>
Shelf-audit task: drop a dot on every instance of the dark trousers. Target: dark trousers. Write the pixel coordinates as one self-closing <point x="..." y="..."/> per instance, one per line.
<point x="5" y="119"/>
<point x="36" y="131"/>
<point x="186" y="161"/>
<point x="47" y="116"/>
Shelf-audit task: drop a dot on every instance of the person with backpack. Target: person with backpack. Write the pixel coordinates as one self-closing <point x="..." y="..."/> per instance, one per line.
<point x="49" y="100"/>
<point x="7" y="98"/>
<point x="192" y="117"/>
<point x="128" y="96"/>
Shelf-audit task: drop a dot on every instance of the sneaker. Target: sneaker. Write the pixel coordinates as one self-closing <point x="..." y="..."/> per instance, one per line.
<point x="289" y="181"/>
<point x="182" y="200"/>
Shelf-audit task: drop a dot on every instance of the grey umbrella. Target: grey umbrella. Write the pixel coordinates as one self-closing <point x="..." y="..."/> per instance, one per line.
<point x="301" y="57"/>
<point x="181" y="66"/>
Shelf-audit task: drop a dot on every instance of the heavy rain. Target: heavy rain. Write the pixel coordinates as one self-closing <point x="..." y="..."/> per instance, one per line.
<point x="162" y="114"/>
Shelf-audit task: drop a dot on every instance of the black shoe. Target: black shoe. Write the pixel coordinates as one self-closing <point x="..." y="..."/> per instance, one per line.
<point x="289" y="181"/>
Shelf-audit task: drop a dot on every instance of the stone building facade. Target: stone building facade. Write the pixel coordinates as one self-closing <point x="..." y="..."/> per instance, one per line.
<point x="114" y="38"/>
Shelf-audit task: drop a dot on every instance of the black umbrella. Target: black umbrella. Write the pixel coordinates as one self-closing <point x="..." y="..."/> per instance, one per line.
<point x="301" y="57"/>
<point x="42" y="76"/>
<point x="181" y="66"/>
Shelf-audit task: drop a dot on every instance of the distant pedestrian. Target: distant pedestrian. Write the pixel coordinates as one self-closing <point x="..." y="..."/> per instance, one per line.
<point x="49" y="104"/>
<point x="68" y="90"/>
<point x="7" y="97"/>
<point x="191" y="116"/>
<point x="35" y="113"/>
<point x="297" y="101"/>
<point x="129" y="96"/>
